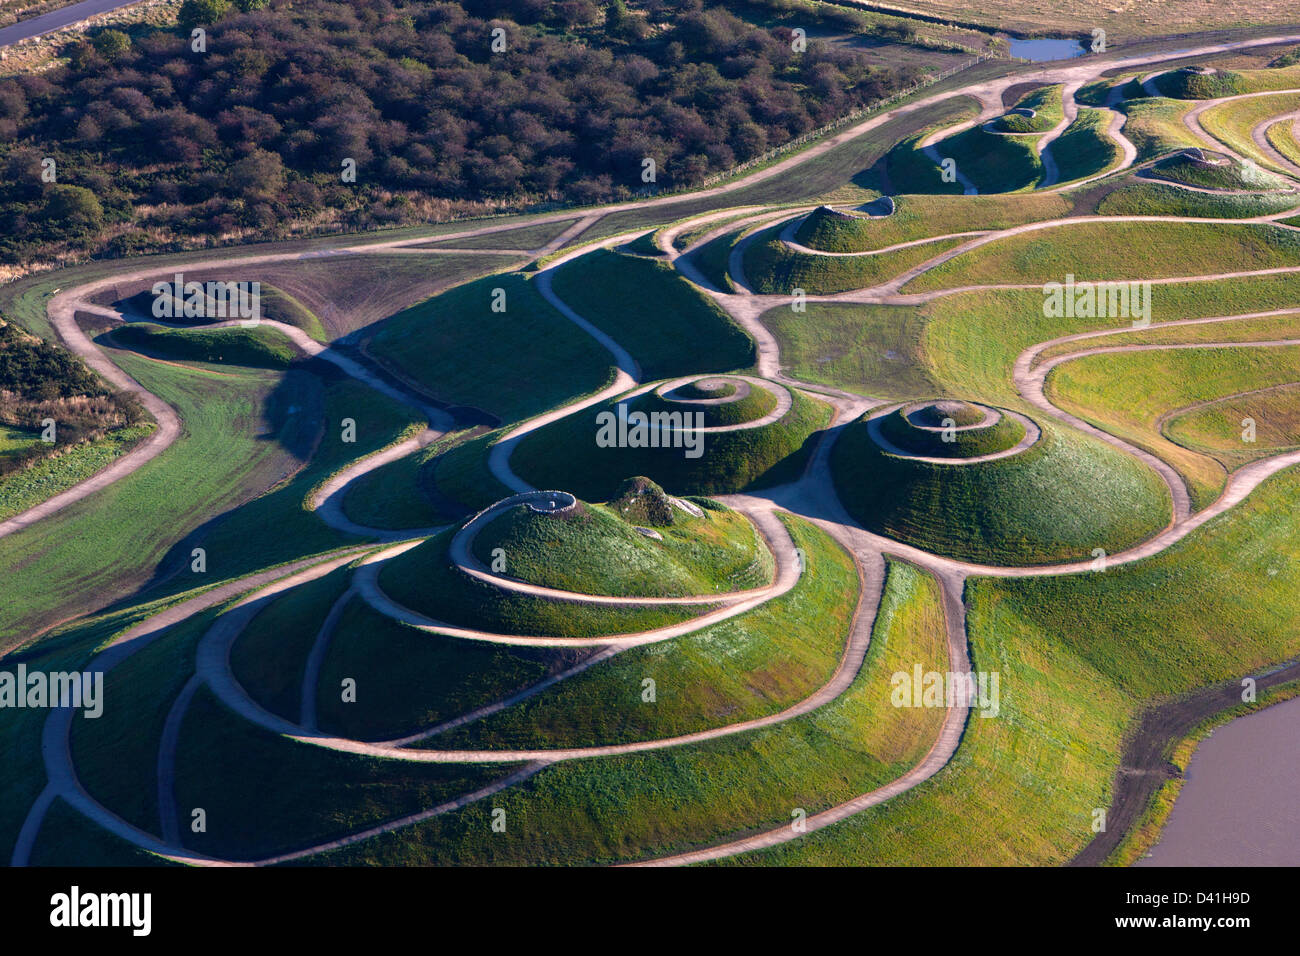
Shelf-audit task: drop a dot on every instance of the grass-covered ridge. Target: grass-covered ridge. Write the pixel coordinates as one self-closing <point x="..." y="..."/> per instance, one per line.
<point x="918" y="217"/>
<point x="408" y="680"/>
<point x="1149" y="198"/>
<point x="1078" y="663"/>
<point x="1044" y="103"/>
<point x="993" y="163"/>
<point x="1115" y="392"/>
<point x="1268" y="416"/>
<point x="255" y="347"/>
<point x="1085" y="148"/>
<point x="686" y="797"/>
<point x="1213" y="171"/>
<point x="1232" y="123"/>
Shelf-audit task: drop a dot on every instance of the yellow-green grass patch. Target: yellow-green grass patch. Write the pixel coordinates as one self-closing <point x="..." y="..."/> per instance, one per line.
<point x="1117" y="250"/>
<point x="1127" y="393"/>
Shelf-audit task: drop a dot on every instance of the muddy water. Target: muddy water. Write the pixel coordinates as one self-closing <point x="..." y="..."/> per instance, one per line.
<point x="1240" y="804"/>
<point x="1043" y="50"/>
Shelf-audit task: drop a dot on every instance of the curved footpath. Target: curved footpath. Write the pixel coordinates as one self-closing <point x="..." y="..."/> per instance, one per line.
<point x="812" y="496"/>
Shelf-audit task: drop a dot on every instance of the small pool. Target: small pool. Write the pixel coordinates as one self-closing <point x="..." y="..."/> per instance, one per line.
<point x="1046" y="49"/>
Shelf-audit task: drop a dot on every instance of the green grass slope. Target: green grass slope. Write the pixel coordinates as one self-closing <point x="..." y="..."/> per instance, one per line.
<point x="653" y="313"/>
<point x="512" y="364"/>
<point x="745" y="667"/>
<point x="872" y="349"/>
<point x="627" y="808"/>
<point x="917" y="217"/>
<point x="407" y="680"/>
<point x="1084" y="149"/>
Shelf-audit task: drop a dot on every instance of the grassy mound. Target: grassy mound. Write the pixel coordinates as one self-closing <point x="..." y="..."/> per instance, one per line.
<point x="750" y="665"/>
<point x="918" y="217"/>
<point x="901" y="429"/>
<point x="1191" y="83"/>
<point x="829" y="230"/>
<point x="1046" y="105"/>
<point x="652" y="312"/>
<point x="1155" y="126"/>
<point x="424" y="580"/>
<point x="273" y="304"/>
<point x="595" y="549"/>
<point x="256" y="347"/>
<point x="564" y="454"/>
<point x="754" y="405"/>
<point x="912" y="172"/>
<point x="1217" y="172"/>
<point x="1059" y="499"/>
<point x="773" y="268"/>
<point x="993" y="163"/>
<point x="1086" y="652"/>
<point x="696" y="795"/>
<point x="1084" y="149"/>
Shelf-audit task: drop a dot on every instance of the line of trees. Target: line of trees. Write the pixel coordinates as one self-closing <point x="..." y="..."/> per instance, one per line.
<point x="498" y="101"/>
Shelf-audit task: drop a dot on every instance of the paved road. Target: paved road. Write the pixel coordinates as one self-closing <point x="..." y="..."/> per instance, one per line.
<point x="57" y="19"/>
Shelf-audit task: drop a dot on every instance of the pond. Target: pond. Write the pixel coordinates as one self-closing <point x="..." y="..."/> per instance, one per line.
<point x="1046" y="49"/>
<point x="1238" y="805"/>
